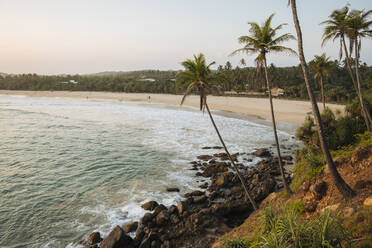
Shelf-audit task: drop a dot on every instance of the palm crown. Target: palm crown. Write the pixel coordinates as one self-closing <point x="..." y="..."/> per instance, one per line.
<point x="264" y="39"/>
<point x="198" y="75"/>
<point x="321" y="65"/>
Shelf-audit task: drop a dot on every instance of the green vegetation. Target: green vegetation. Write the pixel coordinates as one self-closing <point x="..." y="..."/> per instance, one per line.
<point x="309" y="164"/>
<point x="340" y="131"/>
<point x="337" y="86"/>
<point x="284" y="228"/>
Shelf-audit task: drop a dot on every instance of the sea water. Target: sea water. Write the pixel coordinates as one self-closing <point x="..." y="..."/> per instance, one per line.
<point x="72" y="166"/>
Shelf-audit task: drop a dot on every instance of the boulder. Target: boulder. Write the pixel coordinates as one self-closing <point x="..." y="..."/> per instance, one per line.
<point x="205" y="157"/>
<point x="195" y="193"/>
<point x="174" y="219"/>
<point x="130" y="227"/>
<point x="181" y="207"/>
<point x="159" y="208"/>
<point x="368" y="201"/>
<point x="147" y="218"/>
<point x="221" y="181"/>
<point x="173" y="189"/>
<point x="116" y="239"/>
<point x="172" y="209"/>
<point x="151" y="205"/>
<point x="94" y="238"/>
<point x="162" y="218"/>
<point x="263" y="152"/>
<point x="200" y="199"/>
<point x="319" y="189"/>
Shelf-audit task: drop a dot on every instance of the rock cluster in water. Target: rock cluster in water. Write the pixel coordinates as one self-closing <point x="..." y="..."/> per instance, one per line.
<point x="205" y="214"/>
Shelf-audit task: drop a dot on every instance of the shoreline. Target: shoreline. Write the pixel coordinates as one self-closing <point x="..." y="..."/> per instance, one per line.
<point x="286" y="111"/>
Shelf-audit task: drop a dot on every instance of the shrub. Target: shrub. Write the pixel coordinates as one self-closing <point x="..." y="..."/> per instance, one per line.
<point x="285" y="228"/>
<point x="309" y="164"/>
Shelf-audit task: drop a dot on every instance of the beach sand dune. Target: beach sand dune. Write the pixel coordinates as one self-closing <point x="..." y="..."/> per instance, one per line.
<point x="290" y="111"/>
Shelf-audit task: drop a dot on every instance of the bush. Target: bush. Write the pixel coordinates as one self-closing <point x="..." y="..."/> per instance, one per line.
<point x="309" y="164"/>
<point x="285" y="228"/>
<point x="338" y="132"/>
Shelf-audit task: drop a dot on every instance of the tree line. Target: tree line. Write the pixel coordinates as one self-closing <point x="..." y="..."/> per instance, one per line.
<point x="338" y="86"/>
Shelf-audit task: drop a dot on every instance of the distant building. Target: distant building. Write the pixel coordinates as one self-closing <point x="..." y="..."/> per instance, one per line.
<point x="276" y="92"/>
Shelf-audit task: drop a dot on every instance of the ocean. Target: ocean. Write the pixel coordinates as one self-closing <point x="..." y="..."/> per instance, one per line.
<point x="73" y="166"/>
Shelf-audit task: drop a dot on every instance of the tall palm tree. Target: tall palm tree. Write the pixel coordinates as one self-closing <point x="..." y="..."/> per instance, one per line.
<point x="198" y="76"/>
<point x="338" y="27"/>
<point x="341" y="185"/>
<point x="321" y="65"/>
<point x="263" y="40"/>
<point x="359" y="27"/>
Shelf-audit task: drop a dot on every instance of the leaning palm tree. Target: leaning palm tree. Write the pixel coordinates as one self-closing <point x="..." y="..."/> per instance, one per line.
<point x="321" y="65"/>
<point x="263" y="40"/>
<point x="338" y="27"/>
<point x="359" y="27"/>
<point x="198" y="76"/>
<point x="341" y="185"/>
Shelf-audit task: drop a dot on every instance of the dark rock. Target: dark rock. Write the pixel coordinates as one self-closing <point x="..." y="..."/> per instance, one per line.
<point x="130" y="227"/>
<point x="172" y="209"/>
<point x="262" y="152"/>
<point x="195" y="193"/>
<point x="151" y="205"/>
<point x="217" y="147"/>
<point x="174" y="219"/>
<point x="146" y="218"/>
<point x="94" y="238"/>
<point x="117" y="239"/>
<point x="205" y="157"/>
<point x="200" y="199"/>
<point x="181" y="207"/>
<point x="319" y="189"/>
<point x="162" y="218"/>
<point x="310" y="207"/>
<point x="204" y="185"/>
<point x="140" y="232"/>
<point x="159" y="208"/>
<point x="173" y="189"/>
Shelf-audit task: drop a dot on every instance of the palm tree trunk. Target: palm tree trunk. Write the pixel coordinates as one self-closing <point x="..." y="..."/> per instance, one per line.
<point x="232" y="161"/>
<point x="367" y="117"/>
<point x="341" y="185"/>
<point x="322" y="89"/>
<point x="348" y="65"/>
<point x="274" y="129"/>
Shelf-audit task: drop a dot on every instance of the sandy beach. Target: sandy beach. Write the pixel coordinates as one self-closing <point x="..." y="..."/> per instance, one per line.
<point x="289" y="111"/>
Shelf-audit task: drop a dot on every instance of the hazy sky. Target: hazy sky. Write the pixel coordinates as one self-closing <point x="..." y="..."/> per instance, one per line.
<point x="85" y="36"/>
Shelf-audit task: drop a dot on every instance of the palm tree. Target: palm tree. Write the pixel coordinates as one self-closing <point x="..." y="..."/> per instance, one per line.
<point x="263" y="40"/>
<point x="321" y="65"/>
<point x="338" y="27"/>
<point x="341" y="185"/>
<point x="359" y="27"/>
<point x="198" y="75"/>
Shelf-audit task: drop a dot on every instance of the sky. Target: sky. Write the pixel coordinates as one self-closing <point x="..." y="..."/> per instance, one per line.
<point x="88" y="36"/>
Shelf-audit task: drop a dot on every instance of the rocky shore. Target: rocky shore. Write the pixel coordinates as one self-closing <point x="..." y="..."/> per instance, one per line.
<point x="204" y="214"/>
